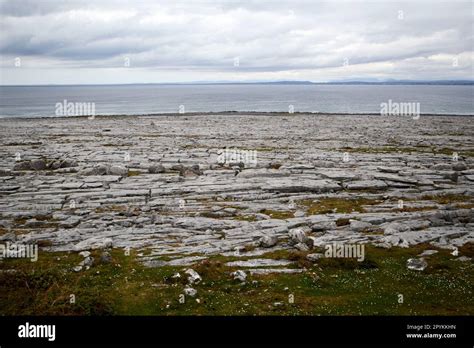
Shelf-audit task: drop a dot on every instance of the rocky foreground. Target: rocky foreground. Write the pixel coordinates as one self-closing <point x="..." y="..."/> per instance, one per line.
<point x="162" y="186"/>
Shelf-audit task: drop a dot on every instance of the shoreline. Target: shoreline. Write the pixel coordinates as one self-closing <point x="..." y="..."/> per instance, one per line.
<point x="233" y="113"/>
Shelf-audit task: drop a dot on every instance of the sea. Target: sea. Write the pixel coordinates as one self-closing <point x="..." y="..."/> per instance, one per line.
<point x="145" y="99"/>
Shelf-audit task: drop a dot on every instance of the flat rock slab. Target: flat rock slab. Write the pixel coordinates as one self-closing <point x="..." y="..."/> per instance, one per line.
<point x="259" y="263"/>
<point x="302" y="185"/>
<point x="366" y="185"/>
<point x="263" y="271"/>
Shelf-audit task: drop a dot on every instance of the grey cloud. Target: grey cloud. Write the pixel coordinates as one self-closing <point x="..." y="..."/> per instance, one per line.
<point x="267" y="36"/>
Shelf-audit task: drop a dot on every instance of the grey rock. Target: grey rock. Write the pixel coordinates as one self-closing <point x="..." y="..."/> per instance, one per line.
<point x="297" y="235"/>
<point x="185" y="261"/>
<point x="97" y="170"/>
<point x="94" y="243"/>
<point x="87" y="262"/>
<point x="268" y="241"/>
<point x="314" y="257"/>
<point x="71" y="222"/>
<point x="453" y="176"/>
<point x="459" y="166"/>
<point x="263" y="271"/>
<point x="299" y="213"/>
<point x="85" y="253"/>
<point x="417" y="264"/>
<point x="359" y="226"/>
<point x="38" y="164"/>
<point x="239" y="275"/>
<point x="117" y="170"/>
<point x="8" y="237"/>
<point x="428" y="253"/>
<point x="105" y="257"/>
<point x="157" y="168"/>
<point x="65" y="163"/>
<point x="24" y="165"/>
<point x="303" y="185"/>
<point x="442" y="166"/>
<point x="394" y="228"/>
<point x="366" y="185"/>
<point x="323" y="226"/>
<point x="301" y="247"/>
<point x="258" y="263"/>
<point x="188" y="291"/>
<point x="193" y="276"/>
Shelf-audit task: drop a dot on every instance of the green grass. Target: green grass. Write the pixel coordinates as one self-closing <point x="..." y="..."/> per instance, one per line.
<point x="342" y="205"/>
<point x="134" y="173"/>
<point x="446" y="198"/>
<point x="328" y="287"/>
<point x="278" y="214"/>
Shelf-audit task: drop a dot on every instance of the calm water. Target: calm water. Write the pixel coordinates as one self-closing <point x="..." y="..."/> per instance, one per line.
<point x="147" y="99"/>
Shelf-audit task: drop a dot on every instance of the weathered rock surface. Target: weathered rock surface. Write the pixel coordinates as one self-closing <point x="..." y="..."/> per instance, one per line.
<point x="172" y="197"/>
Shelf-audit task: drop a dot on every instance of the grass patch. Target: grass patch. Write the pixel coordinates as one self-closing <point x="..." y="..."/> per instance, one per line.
<point x="328" y="287"/>
<point x="277" y="214"/>
<point x="412" y="209"/>
<point x="339" y="205"/>
<point x="111" y="208"/>
<point x="134" y="173"/>
<point x="250" y="218"/>
<point x="446" y="199"/>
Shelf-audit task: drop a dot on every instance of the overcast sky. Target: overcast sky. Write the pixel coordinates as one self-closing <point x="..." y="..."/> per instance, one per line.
<point x="72" y="42"/>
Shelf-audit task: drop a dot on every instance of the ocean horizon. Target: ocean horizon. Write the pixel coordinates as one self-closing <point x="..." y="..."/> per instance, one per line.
<point x="145" y="99"/>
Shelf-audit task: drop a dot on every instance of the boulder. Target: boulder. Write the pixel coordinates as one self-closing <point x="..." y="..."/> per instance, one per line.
<point x="94" y="243"/>
<point x="359" y="226"/>
<point x="193" y="276"/>
<point x="105" y="257"/>
<point x="459" y="166"/>
<point x="157" y="168"/>
<point x="417" y="264"/>
<point x="268" y="241"/>
<point x="38" y="164"/>
<point x="314" y="257"/>
<point x="87" y="262"/>
<point x="25" y="165"/>
<point x="297" y="235"/>
<point x="239" y="275"/>
<point x="302" y="247"/>
<point x="188" y="291"/>
<point x="85" y="253"/>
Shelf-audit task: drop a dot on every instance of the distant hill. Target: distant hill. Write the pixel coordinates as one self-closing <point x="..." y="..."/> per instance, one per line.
<point x="355" y="82"/>
<point x="348" y="82"/>
<point x="402" y="82"/>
